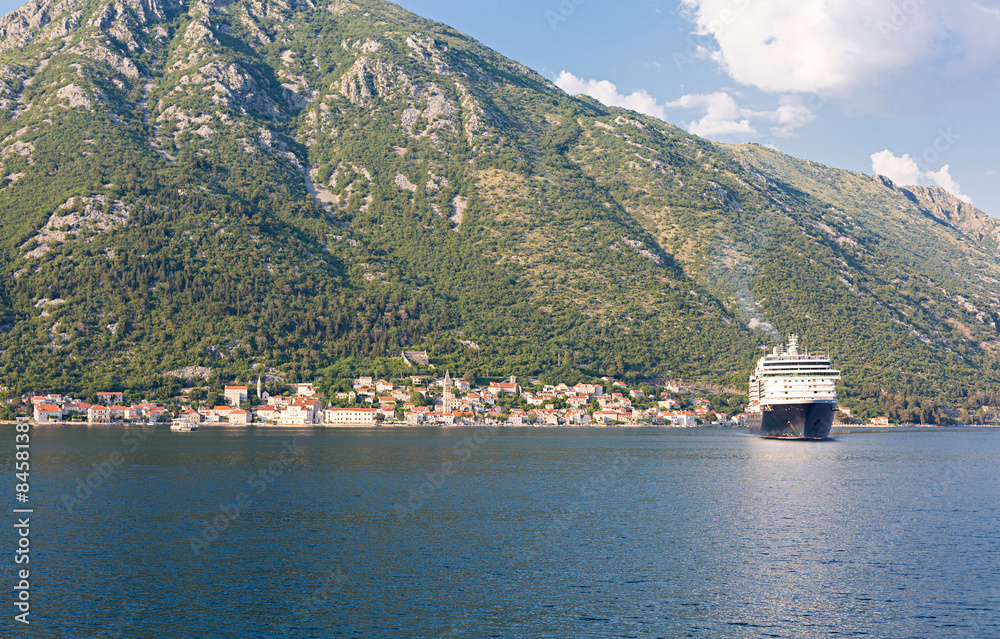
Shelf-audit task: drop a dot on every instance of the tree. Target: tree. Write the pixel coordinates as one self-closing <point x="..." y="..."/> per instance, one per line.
<point x="212" y="400"/>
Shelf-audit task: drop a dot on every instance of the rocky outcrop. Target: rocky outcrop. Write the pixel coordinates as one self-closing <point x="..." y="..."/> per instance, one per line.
<point x="78" y="218"/>
<point x="22" y="25"/>
<point x="960" y="214"/>
<point x="366" y="80"/>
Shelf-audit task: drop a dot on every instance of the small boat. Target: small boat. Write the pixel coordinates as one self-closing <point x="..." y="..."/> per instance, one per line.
<point x="183" y="426"/>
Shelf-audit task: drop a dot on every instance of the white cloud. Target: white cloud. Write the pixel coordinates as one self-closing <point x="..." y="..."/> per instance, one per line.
<point x="607" y="93"/>
<point x="723" y="116"/>
<point x="791" y="115"/>
<point x="905" y="171"/>
<point x="846" y="46"/>
<point x="901" y="170"/>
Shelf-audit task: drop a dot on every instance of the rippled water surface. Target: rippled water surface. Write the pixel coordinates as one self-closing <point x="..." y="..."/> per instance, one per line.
<point x="513" y="533"/>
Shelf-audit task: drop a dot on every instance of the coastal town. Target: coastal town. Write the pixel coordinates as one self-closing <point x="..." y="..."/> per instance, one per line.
<point x="416" y="400"/>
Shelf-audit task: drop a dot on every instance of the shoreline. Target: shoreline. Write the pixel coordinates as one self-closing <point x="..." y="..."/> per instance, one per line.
<point x="394" y="425"/>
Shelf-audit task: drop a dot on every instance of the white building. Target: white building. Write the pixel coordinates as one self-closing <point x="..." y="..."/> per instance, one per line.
<point x="301" y="411"/>
<point x="47" y="412"/>
<point x="235" y="395"/>
<point x="683" y="418"/>
<point x="304" y="390"/>
<point x="349" y="416"/>
<point x="190" y="417"/>
<point x="267" y="413"/>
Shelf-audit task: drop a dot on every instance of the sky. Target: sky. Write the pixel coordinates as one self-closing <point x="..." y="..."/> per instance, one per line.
<point x="897" y="87"/>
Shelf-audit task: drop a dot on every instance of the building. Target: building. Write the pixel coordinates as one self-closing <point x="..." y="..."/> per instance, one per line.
<point x="447" y="399"/>
<point x="669" y="404"/>
<point x="387" y="406"/>
<point x="301" y="411"/>
<point x="239" y="417"/>
<point x="156" y="413"/>
<point x="189" y="416"/>
<point x="518" y="417"/>
<point x="235" y="395"/>
<point x="267" y="413"/>
<point x="110" y="398"/>
<point x="304" y="390"/>
<point x="588" y="389"/>
<point x="502" y="388"/>
<point x="216" y="414"/>
<point x="683" y="418"/>
<point x="76" y="407"/>
<point x="349" y="416"/>
<point x="98" y="414"/>
<point x="47" y="412"/>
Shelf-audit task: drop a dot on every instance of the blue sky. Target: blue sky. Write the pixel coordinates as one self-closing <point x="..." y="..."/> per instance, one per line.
<point x="899" y="87"/>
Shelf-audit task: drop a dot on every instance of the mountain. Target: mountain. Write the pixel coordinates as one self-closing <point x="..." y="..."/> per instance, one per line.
<point x="314" y="186"/>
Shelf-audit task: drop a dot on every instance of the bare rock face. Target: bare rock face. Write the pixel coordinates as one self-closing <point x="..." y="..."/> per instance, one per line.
<point x="22" y="25"/>
<point x="366" y="80"/>
<point x="85" y="216"/>
<point x="945" y="206"/>
<point x="73" y="96"/>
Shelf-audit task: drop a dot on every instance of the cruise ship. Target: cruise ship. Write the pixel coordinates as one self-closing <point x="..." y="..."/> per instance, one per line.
<point x="792" y="395"/>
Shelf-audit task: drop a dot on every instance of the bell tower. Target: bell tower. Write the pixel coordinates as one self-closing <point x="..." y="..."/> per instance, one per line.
<point x="447" y="399"/>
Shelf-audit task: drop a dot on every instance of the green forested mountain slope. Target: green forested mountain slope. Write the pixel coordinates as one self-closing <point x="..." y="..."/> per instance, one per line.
<point x="308" y="186"/>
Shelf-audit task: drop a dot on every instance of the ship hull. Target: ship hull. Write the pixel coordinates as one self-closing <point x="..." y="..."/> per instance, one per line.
<point x="793" y="421"/>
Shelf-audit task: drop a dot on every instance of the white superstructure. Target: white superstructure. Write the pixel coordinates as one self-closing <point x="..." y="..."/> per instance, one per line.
<point x="787" y="377"/>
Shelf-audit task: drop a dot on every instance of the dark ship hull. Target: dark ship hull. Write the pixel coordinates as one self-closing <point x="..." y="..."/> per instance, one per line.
<point x="793" y="421"/>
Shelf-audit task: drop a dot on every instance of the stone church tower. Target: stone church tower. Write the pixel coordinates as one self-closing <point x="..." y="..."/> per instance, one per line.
<point x="447" y="399"/>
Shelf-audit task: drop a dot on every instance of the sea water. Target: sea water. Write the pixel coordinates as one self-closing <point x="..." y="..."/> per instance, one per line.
<point x="466" y="532"/>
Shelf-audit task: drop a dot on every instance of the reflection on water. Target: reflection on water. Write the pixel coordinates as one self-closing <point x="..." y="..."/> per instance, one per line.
<point x="520" y="533"/>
